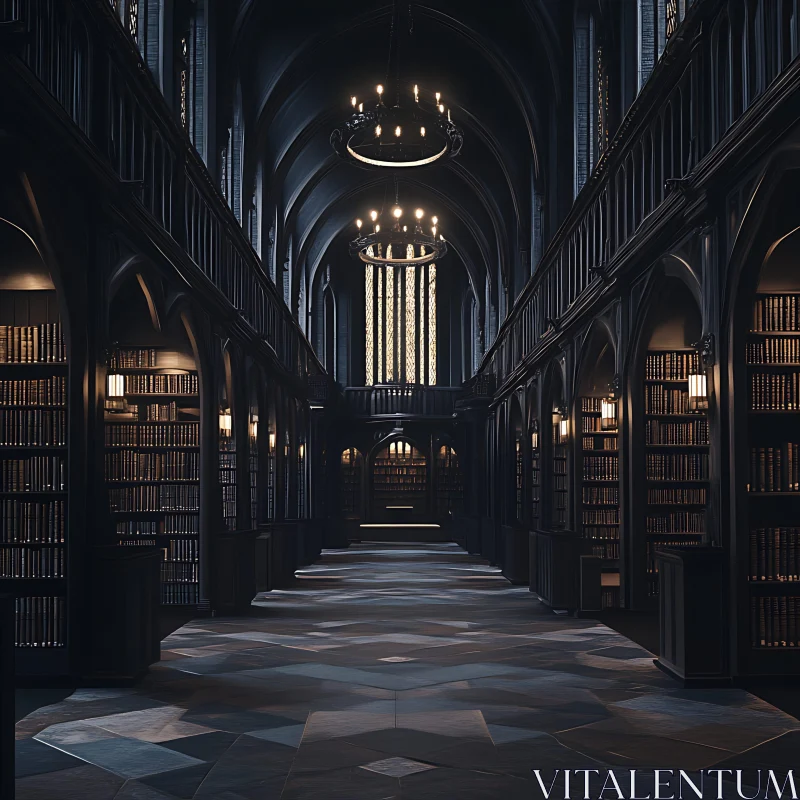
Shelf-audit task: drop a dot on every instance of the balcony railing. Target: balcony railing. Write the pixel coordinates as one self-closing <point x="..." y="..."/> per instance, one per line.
<point x="721" y="71"/>
<point x="375" y="401"/>
<point x="83" y="58"/>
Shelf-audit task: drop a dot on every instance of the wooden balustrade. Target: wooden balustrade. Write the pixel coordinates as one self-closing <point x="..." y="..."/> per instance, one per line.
<point x="436" y="401"/>
<point x="721" y="63"/>
<point x="125" y="119"/>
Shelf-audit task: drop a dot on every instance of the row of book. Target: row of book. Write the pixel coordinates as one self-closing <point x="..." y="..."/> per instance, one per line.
<point x="773" y="621"/>
<point x="671" y="366"/>
<point x="600" y="468"/>
<point x="32" y="428"/>
<point x="32" y="344"/>
<point x="139" y="358"/>
<point x="665" y="400"/>
<point x="591" y="425"/>
<point x="167" y="497"/>
<point x="400" y="480"/>
<point x="601" y="532"/>
<point x="677" y="497"/>
<point x="162" y="384"/>
<point x="34" y="474"/>
<point x="775" y="391"/>
<point x="151" y="542"/>
<point x="179" y="572"/>
<point x="40" y="622"/>
<point x="599" y="443"/>
<point x="604" y="516"/>
<point x="610" y="596"/>
<point x="34" y="392"/>
<point x="677" y="522"/>
<point x="170" y="525"/>
<point x="186" y="594"/>
<point x="775" y="469"/>
<point x="605" y="549"/>
<point x="130" y="465"/>
<point x="161" y="412"/>
<point x="591" y="405"/>
<point x="381" y="470"/>
<point x="182" y="550"/>
<point x="155" y="434"/>
<point x="691" y="432"/>
<point x="600" y="495"/>
<point x="677" y="466"/>
<point x="775" y="554"/>
<point x="776" y="313"/>
<point x="778" y="350"/>
<point x="23" y="522"/>
<point x="27" y="562"/>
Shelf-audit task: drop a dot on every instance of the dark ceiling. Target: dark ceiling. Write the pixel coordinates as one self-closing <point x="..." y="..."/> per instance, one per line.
<point x="295" y="66"/>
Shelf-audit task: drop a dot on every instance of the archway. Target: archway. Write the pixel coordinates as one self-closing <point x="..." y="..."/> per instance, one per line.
<point x="399" y="481"/>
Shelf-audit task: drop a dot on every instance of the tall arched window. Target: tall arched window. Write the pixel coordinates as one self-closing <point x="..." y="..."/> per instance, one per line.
<point x="400" y="305"/>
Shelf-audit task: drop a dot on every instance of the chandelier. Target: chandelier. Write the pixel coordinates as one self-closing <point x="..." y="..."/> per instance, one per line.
<point x="408" y="130"/>
<point x="399" y="244"/>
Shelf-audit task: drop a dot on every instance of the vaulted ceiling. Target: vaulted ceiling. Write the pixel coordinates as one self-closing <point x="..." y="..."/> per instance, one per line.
<point x="295" y="65"/>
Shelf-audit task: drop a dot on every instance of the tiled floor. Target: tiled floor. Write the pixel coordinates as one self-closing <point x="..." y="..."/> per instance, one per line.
<point x="388" y="672"/>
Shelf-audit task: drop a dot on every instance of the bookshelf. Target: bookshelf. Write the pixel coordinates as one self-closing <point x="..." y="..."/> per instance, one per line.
<point x="272" y="466"/>
<point x="227" y="468"/>
<point x="600" y="512"/>
<point x="400" y="477"/>
<point x="676" y="457"/>
<point x="536" y="478"/>
<point x="33" y="495"/>
<point x="560" y="478"/>
<point x="772" y="356"/>
<point x="301" y="480"/>
<point x="252" y="464"/>
<point x="449" y="483"/>
<point x="152" y="461"/>
<point x="519" y="480"/>
<point x="352" y="477"/>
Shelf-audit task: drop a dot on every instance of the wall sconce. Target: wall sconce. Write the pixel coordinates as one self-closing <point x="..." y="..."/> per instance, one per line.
<point x="115" y="385"/>
<point x="535" y="435"/>
<point x="561" y="423"/>
<point x="254" y="426"/>
<point x="225" y="422"/>
<point x="564" y="428"/>
<point x="608" y="414"/>
<point x="301" y="451"/>
<point x="272" y="442"/>
<point x="698" y="392"/>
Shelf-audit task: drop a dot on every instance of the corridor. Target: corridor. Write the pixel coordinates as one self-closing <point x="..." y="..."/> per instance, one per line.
<point x="389" y="671"/>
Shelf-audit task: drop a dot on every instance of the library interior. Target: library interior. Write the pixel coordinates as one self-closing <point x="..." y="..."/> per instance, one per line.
<point x="396" y="398"/>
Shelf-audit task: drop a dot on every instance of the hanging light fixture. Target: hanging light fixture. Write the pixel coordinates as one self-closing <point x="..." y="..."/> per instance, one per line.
<point x="413" y="132"/>
<point x="608" y="414"/>
<point x="225" y="422"/>
<point x="698" y="392"/>
<point x="399" y="244"/>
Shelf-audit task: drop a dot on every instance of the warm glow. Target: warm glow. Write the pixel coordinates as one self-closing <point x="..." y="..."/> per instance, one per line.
<point x="441" y="109"/>
<point x="378" y="130"/>
<point x="225" y="422"/>
<point x="608" y="414"/>
<point x="438" y="96"/>
<point x="115" y="385"/>
<point x="398" y="212"/>
<point x="698" y="392"/>
<point x="416" y="93"/>
<point x="353" y="101"/>
<point x="301" y="451"/>
<point x="272" y="441"/>
<point x="419" y="213"/>
<point x="373" y="215"/>
<point x="359" y="223"/>
<point x="448" y="115"/>
<point x="434" y="230"/>
<point x="405" y="228"/>
<point x="422" y="131"/>
<point x="360" y="108"/>
<point x="435" y="220"/>
<point x="377" y="229"/>
<point x="398" y="130"/>
<point x="564" y="428"/>
<point x="254" y="426"/>
<point x="380" y="89"/>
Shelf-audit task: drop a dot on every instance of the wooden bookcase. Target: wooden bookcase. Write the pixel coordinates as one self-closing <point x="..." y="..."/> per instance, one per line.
<point x="227" y="477"/>
<point x="676" y="457"/>
<point x="34" y="538"/>
<point x="773" y="483"/>
<point x="600" y="516"/>
<point x="352" y="476"/>
<point x="536" y="481"/>
<point x="152" y="462"/>
<point x="400" y="476"/>
<point x="449" y="483"/>
<point x="519" y="481"/>
<point x="253" y="471"/>
<point x="560" y="480"/>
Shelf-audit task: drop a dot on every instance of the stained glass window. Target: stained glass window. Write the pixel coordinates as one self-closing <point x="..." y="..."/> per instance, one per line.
<point x="133" y="19"/>
<point x="400" y="317"/>
<point x="672" y="17"/>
